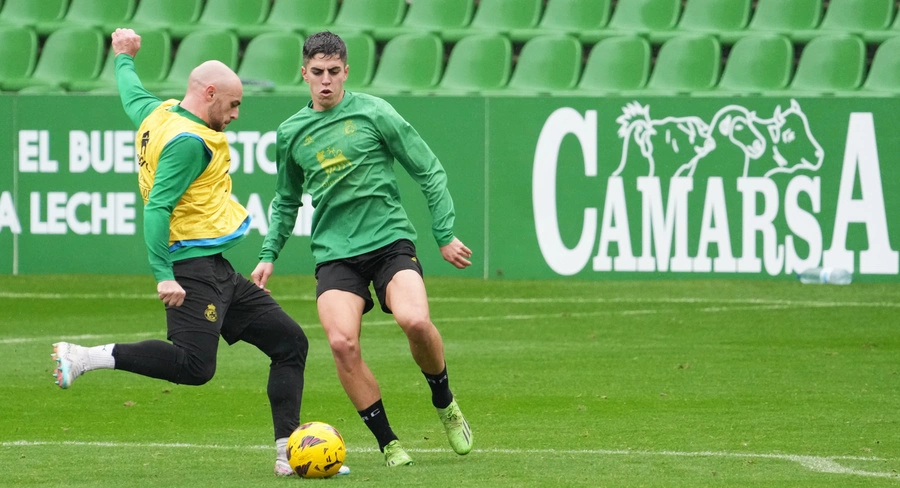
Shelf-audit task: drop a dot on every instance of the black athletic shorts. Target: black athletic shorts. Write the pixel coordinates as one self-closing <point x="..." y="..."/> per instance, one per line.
<point x="217" y="299"/>
<point x="377" y="267"/>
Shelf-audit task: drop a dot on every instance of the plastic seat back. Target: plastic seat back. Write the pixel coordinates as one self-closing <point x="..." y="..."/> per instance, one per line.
<point x="18" y="52"/>
<point x="369" y="15"/>
<point x="725" y="16"/>
<point x="32" y="12"/>
<point x="102" y="14"/>
<point x="547" y="63"/>
<point x="884" y="74"/>
<point x="858" y="16"/>
<point x="70" y="54"/>
<point x="178" y="16"/>
<point x="785" y="16"/>
<point x="233" y="14"/>
<point x="410" y="62"/>
<point x="201" y="46"/>
<point x="573" y="17"/>
<point x="273" y="58"/>
<point x="478" y="62"/>
<point x="687" y="63"/>
<point x="435" y="16"/>
<point x="758" y="63"/>
<point x="830" y="63"/>
<point x="360" y="58"/>
<point x="151" y="63"/>
<point x="302" y="16"/>
<point x="617" y="64"/>
<point x="645" y="15"/>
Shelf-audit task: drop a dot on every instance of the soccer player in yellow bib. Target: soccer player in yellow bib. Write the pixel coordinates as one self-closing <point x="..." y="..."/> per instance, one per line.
<point x="189" y="221"/>
<point x="341" y="149"/>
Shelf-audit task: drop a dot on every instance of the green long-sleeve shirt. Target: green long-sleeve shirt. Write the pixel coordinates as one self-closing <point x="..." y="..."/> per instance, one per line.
<point x="180" y="163"/>
<point x="344" y="157"/>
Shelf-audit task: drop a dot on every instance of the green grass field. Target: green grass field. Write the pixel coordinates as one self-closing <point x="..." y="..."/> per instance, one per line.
<point x="565" y="383"/>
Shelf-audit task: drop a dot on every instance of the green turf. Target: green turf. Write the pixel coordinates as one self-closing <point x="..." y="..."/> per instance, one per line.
<point x="565" y="383"/>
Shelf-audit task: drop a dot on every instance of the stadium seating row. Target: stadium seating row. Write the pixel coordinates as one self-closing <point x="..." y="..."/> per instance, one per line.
<point x="589" y="20"/>
<point x="72" y="59"/>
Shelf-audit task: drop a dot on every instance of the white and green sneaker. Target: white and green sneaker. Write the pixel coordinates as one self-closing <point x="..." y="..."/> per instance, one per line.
<point x="395" y="455"/>
<point x="458" y="432"/>
<point x="71" y="362"/>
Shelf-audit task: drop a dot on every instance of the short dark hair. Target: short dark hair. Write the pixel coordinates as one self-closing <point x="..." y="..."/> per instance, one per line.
<point x="326" y="43"/>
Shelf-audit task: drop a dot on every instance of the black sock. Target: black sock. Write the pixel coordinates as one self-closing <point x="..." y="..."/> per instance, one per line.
<point x="440" y="388"/>
<point x="376" y="420"/>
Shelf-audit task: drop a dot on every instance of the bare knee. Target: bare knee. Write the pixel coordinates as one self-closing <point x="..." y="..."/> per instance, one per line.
<point x="416" y="328"/>
<point x="344" y="348"/>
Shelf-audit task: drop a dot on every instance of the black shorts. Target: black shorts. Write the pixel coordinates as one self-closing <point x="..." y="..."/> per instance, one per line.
<point x="217" y="299"/>
<point x="377" y="267"/>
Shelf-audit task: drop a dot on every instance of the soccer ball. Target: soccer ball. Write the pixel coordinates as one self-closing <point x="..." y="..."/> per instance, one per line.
<point x="316" y="450"/>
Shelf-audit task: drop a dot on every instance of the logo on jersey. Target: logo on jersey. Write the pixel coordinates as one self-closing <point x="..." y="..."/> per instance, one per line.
<point x="210" y="313"/>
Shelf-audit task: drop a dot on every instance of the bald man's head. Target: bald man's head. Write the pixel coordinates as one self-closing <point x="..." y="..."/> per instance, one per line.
<point x="214" y="93"/>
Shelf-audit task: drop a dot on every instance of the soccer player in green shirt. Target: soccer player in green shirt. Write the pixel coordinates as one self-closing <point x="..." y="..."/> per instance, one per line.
<point x="341" y="149"/>
<point x="189" y="220"/>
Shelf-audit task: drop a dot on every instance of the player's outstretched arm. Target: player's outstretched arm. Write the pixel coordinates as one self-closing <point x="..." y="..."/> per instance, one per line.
<point x="456" y="253"/>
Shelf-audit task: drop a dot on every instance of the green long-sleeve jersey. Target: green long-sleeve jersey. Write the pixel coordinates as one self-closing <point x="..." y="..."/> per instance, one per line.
<point x="180" y="163"/>
<point x="344" y="158"/>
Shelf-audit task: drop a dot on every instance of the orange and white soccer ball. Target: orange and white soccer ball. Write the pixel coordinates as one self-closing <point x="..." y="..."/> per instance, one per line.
<point x="316" y="450"/>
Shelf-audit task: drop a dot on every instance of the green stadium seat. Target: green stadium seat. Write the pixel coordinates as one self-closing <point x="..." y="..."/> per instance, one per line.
<point x="547" y="64"/>
<point x="409" y="62"/>
<point x="616" y="64"/>
<point x="830" y="64"/>
<point x="786" y="16"/>
<point x="195" y="48"/>
<point x="583" y="18"/>
<point x="272" y="60"/>
<point x="725" y="19"/>
<point x="686" y="64"/>
<point x="646" y="17"/>
<point x="433" y="16"/>
<point x="102" y="14"/>
<point x="499" y="16"/>
<point x="302" y="16"/>
<point x="360" y="57"/>
<point x="178" y="16"/>
<point x="227" y="14"/>
<point x="30" y="13"/>
<point x="369" y="16"/>
<point x="757" y="64"/>
<point x="70" y="54"/>
<point x="477" y="63"/>
<point x="18" y="52"/>
<point x="861" y="17"/>
<point x="151" y="63"/>
<point x="884" y="73"/>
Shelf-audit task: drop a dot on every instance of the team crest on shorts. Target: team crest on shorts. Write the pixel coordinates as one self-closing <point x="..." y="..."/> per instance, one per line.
<point x="210" y="313"/>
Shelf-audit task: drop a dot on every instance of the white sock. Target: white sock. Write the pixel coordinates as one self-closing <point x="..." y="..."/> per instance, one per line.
<point x="281" y="448"/>
<point x="100" y="357"/>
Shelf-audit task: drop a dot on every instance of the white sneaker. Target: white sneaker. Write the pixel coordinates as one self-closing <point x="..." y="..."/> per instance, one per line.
<point x="71" y="361"/>
<point x="282" y="468"/>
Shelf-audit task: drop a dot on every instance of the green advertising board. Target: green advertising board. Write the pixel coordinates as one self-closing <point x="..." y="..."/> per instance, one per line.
<point x="693" y="187"/>
<point x="10" y="227"/>
<point x="544" y="187"/>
